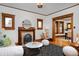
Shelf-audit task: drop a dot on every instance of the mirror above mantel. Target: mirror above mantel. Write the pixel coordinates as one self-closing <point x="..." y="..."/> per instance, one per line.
<point x="8" y="21"/>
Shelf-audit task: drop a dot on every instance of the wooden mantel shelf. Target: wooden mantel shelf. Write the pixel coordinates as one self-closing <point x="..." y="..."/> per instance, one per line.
<point x="22" y="28"/>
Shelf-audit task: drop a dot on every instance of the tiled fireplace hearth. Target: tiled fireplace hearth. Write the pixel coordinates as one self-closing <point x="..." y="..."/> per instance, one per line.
<point x="22" y="32"/>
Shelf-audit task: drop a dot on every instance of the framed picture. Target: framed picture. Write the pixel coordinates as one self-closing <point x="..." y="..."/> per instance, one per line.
<point x="68" y="25"/>
<point x="8" y="22"/>
<point x="39" y="24"/>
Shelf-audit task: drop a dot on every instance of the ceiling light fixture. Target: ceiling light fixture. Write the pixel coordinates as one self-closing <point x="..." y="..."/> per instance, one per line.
<point x="39" y="4"/>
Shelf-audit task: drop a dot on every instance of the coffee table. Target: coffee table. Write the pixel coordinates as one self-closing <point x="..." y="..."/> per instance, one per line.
<point x="33" y="48"/>
<point x="34" y="45"/>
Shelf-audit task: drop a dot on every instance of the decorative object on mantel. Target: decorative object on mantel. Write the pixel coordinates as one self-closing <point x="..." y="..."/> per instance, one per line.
<point x="26" y="24"/>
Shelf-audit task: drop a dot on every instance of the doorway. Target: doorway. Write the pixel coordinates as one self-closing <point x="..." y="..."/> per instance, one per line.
<point x="62" y="27"/>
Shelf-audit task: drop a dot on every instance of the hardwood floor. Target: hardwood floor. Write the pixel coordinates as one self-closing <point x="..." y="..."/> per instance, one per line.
<point x="63" y="42"/>
<point x="60" y="42"/>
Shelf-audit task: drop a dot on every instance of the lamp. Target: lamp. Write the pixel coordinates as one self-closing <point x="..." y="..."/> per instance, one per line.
<point x="39" y="4"/>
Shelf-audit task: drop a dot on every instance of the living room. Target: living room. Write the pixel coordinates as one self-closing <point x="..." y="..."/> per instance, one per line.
<point x="18" y="19"/>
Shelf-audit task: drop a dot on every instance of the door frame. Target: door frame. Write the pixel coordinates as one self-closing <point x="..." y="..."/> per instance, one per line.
<point x="62" y="17"/>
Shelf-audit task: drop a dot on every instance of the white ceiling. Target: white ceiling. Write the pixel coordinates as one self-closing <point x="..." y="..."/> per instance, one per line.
<point x="47" y="9"/>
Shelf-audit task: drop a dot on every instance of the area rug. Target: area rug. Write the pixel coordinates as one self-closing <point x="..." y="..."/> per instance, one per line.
<point x="50" y="50"/>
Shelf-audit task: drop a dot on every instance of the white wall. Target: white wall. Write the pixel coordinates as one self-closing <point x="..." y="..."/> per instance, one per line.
<point x="47" y="22"/>
<point x="19" y="17"/>
<point x="74" y="10"/>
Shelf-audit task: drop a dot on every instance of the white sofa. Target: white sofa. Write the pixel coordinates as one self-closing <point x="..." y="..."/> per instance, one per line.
<point x="11" y="51"/>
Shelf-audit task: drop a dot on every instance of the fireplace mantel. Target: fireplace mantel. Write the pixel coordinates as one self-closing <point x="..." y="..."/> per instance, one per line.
<point x="22" y="29"/>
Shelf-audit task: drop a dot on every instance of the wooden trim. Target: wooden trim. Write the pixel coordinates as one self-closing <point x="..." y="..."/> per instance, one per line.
<point x="63" y="9"/>
<point x="62" y="17"/>
<point x="39" y="20"/>
<point x="4" y="15"/>
<point x="53" y="29"/>
<point x="58" y="26"/>
<point x="72" y="26"/>
<point x="62" y="28"/>
<point x="60" y="36"/>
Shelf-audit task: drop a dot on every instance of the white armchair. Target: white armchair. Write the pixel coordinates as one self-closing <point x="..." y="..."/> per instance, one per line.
<point x="70" y="51"/>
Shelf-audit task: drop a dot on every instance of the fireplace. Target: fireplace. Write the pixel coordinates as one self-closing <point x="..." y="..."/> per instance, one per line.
<point x="22" y="32"/>
<point x="27" y="38"/>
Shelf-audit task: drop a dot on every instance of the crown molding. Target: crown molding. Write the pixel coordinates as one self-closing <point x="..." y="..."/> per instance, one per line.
<point x="23" y="10"/>
<point x="41" y="13"/>
<point x="62" y="9"/>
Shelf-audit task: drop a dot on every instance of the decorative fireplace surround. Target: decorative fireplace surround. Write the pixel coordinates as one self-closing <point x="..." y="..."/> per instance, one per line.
<point x="22" y="31"/>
